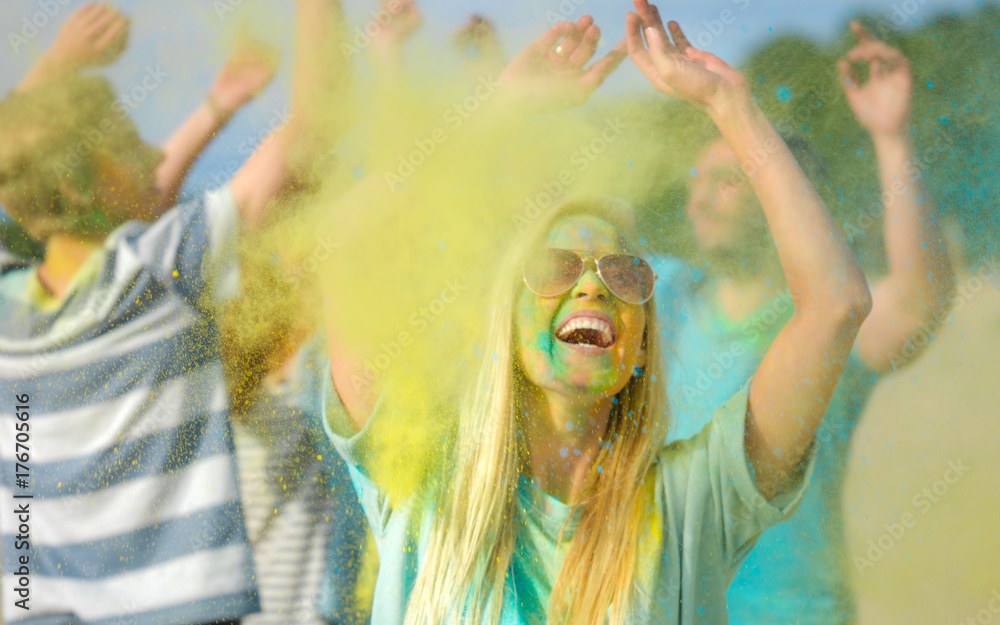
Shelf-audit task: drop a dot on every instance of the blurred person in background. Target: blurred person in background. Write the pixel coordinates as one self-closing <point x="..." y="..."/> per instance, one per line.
<point x="96" y="35"/>
<point x="719" y="321"/>
<point x="114" y="338"/>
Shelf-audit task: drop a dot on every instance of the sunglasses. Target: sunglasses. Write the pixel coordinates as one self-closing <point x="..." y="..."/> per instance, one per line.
<point x="551" y="272"/>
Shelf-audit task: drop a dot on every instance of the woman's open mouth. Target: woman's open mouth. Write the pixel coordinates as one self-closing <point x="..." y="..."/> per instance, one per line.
<point x="590" y="328"/>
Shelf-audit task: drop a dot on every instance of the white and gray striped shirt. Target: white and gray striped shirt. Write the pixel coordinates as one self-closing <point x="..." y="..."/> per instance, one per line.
<point x="135" y="516"/>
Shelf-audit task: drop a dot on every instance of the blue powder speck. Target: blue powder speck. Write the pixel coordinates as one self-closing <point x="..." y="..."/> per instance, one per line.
<point x="784" y="93"/>
<point x="564" y="452"/>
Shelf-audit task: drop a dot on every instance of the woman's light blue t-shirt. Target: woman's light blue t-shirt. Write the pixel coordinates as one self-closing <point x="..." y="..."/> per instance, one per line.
<point x="707" y="508"/>
<point x="799" y="571"/>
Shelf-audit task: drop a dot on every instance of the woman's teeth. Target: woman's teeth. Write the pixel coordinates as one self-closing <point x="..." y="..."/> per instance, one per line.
<point x="588" y="331"/>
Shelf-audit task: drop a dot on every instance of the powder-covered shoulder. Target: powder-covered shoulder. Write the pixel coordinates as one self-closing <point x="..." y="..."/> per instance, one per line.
<point x="191" y="247"/>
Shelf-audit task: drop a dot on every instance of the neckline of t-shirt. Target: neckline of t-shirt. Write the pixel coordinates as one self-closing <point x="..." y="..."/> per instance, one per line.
<point x="554" y="516"/>
<point x="44" y="300"/>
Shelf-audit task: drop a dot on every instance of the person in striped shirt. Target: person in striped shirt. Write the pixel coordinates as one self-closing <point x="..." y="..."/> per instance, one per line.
<point x="136" y="514"/>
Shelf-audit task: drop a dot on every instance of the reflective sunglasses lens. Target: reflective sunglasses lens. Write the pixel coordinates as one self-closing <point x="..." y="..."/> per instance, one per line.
<point x="629" y="277"/>
<point x="552" y="271"/>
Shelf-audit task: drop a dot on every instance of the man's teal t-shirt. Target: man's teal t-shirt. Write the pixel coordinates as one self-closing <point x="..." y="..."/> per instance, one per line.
<point x="798" y="572"/>
<point x="705" y="516"/>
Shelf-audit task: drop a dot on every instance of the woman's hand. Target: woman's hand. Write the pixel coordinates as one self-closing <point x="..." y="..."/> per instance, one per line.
<point x="674" y="66"/>
<point x="549" y="74"/>
<point x="250" y="67"/>
<point x="882" y="103"/>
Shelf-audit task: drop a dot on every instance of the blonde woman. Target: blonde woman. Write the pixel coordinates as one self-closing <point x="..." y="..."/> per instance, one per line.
<point x="559" y="503"/>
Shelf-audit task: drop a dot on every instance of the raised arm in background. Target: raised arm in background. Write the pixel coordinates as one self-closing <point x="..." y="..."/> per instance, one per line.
<point x="249" y="69"/>
<point x="97" y="34"/>
<point x="404" y="19"/>
<point x="917" y="290"/>
<point x="320" y="76"/>
<point x="93" y="35"/>
<point x="794" y="383"/>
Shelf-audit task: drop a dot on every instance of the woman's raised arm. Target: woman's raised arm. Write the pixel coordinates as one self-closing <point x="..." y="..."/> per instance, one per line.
<point x="794" y="383"/>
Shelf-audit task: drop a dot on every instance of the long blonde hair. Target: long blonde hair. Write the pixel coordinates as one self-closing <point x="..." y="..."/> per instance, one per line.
<point x="471" y="546"/>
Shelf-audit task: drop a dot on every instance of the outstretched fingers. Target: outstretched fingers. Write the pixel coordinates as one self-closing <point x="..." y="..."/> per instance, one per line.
<point x="584" y="23"/>
<point x="637" y="50"/>
<point x="641" y="55"/>
<point x="94" y="22"/>
<point x="588" y="46"/>
<point x="861" y="32"/>
<point x="652" y="27"/>
<point x="879" y="55"/>
<point x="91" y="14"/>
<point x="117" y="28"/>
<point x="569" y="44"/>
<point x="551" y="37"/>
<point x="680" y="39"/>
<point x="599" y="71"/>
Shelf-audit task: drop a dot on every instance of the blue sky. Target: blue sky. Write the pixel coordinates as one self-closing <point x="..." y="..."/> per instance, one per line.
<point x="183" y="42"/>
